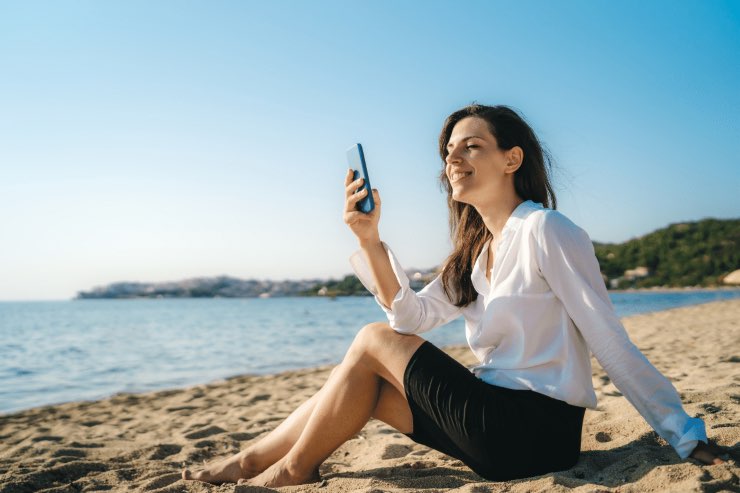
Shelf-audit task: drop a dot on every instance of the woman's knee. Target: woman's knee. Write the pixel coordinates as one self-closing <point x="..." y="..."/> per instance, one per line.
<point x="371" y="336"/>
<point x="374" y="333"/>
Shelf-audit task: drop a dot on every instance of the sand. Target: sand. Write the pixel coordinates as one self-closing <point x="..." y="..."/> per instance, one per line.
<point x="139" y="442"/>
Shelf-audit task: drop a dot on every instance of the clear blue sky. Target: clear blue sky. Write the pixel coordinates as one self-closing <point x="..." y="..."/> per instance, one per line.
<point x="152" y="141"/>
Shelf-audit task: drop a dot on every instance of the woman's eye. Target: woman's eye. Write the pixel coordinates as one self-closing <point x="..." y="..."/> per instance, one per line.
<point x="472" y="146"/>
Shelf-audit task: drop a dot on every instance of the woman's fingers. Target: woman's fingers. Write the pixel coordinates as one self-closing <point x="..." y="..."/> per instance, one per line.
<point x="354" y="198"/>
<point x="351" y="202"/>
<point x="353" y="186"/>
<point x="361" y="223"/>
<point x="348" y="177"/>
<point x="355" y="217"/>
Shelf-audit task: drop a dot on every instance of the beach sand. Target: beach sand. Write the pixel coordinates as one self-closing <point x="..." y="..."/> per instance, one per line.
<point x="140" y="442"/>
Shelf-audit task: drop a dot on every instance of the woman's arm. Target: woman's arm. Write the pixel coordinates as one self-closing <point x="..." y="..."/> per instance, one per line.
<point x="567" y="262"/>
<point x="408" y="312"/>
<point x="381" y="273"/>
<point x="365" y="228"/>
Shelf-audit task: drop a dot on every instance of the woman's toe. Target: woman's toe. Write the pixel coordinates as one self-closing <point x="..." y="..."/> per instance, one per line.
<point x="189" y="475"/>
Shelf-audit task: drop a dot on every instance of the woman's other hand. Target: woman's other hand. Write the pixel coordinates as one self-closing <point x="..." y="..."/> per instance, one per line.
<point x="364" y="226"/>
<point x="708" y="453"/>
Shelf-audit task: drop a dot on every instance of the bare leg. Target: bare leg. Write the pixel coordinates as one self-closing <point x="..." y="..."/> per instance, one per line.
<point x="372" y="369"/>
<point x="258" y="457"/>
<point x="391" y="407"/>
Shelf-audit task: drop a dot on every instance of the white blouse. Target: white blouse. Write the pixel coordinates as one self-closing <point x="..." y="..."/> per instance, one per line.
<point x="532" y="327"/>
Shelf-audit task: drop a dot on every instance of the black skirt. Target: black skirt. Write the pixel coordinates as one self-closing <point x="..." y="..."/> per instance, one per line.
<point x="500" y="433"/>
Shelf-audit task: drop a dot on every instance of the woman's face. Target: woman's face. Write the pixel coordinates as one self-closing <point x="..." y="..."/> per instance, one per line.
<point x="475" y="166"/>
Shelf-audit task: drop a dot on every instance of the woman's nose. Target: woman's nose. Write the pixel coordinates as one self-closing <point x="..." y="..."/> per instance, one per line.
<point x="452" y="156"/>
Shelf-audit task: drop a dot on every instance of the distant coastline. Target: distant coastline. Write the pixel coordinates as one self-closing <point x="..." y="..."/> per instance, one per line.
<point x="230" y="287"/>
<point x="330" y="294"/>
<point x="696" y="255"/>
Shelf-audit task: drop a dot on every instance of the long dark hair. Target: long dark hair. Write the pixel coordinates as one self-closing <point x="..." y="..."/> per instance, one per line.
<point x="531" y="182"/>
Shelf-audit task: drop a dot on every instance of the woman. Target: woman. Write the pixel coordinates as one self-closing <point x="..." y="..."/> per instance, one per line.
<point x="528" y="284"/>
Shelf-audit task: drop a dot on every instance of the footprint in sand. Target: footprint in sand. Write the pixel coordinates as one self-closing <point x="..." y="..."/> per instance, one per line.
<point x="69" y="452"/>
<point x="205" y="432"/>
<point x="47" y="438"/>
<point x="603" y="437"/>
<point x="711" y="408"/>
<point x="162" y="481"/>
<point x="91" y="423"/>
<point x="163" y="450"/>
<point x="205" y="444"/>
<point x="181" y="408"/>
<point x="242" y="436"/>
<point x="70" y="471"/>
<point x="258" y="398"/>
<point x="396" y="451"/>
<point x="86" y="445"/>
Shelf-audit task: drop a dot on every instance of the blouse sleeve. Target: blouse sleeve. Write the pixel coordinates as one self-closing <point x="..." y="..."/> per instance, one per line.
<point x="567" y="262"/>
<point x="410" y="312"/>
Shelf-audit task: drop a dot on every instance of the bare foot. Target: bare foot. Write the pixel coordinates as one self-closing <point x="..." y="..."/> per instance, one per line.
<point x="229" y="470"/>
<point x="709" y="453"/>
<point x="280" y="475"/>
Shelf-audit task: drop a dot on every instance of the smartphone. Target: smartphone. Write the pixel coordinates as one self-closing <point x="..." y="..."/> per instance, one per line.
<point x="356" y="159"/>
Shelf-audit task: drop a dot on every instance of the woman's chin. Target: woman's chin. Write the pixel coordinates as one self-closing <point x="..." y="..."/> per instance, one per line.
<point x="458" y="196"/>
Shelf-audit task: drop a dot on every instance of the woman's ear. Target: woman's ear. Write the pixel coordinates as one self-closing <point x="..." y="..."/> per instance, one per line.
<point x="514" y="159"/>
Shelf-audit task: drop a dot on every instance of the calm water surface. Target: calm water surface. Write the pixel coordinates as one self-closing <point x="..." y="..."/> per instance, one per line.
<point x="54" y="352"/>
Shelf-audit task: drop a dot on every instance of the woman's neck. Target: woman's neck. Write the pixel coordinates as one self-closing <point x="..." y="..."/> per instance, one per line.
<point x="495" y="214"/>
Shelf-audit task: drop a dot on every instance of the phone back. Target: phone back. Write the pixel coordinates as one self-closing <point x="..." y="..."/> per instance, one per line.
<point x="356" y="160"/>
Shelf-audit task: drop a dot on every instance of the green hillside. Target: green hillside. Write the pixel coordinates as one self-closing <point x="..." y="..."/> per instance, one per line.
<point x="684" y="254"/>
<point x="679" y="255"/>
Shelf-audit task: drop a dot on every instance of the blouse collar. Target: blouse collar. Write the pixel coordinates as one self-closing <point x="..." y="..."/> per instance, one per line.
<point x="513" y="223"/>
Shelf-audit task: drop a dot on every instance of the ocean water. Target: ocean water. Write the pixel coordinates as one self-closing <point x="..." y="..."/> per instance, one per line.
<point x="52" y="352"/>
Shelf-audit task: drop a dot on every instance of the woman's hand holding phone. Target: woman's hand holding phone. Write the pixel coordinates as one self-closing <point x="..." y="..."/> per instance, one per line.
<point x="363" y="225"/>
<point x="362" y="217"/>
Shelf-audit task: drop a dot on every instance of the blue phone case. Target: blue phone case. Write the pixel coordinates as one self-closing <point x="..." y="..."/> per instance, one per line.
<point x="356" y="159"/>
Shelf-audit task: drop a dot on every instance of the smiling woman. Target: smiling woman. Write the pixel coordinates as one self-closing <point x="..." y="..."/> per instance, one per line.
<point x="467" y="144"/>
<point x="526" y="281"/>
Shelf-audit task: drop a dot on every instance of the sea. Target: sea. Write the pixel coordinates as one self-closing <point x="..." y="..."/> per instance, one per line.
<point x="59" y="351"/>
